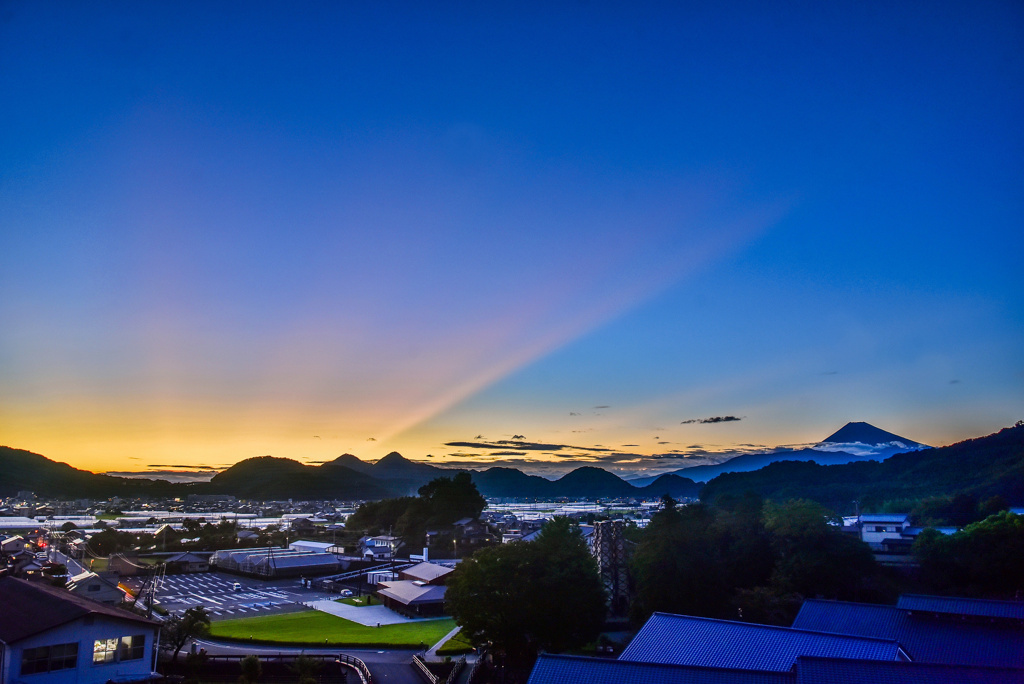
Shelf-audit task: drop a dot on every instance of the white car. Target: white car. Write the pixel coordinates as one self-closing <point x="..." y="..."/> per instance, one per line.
<point x="346" y="592"/>
<point x="236" y="587"/>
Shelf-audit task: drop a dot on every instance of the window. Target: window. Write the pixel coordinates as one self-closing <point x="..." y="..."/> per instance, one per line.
<point x="49" y="658"/>
<point x="879" y="528"/>
<point x="132" y="648"/>
<point x="116" y="650"/>
<point x="104" y="651"/>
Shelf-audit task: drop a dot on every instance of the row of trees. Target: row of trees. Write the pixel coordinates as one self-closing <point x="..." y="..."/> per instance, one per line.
<point x="440" y="503"/>
<point x="750" y="560"/>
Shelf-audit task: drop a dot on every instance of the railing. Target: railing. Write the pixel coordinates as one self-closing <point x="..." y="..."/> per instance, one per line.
<point x="421" y="667"/>
<point x="358" y="665"/>
<point x="454" y="674"/>
<point x="478" y="668"/>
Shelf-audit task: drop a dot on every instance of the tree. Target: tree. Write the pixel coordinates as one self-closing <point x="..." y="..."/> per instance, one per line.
<point x="252" y="669"/>
<point x="677" y="566"/>
<point x="527" y="596"/>
<point x="178" y="630"/>
<point x="813" y="557"/>
<point x="982" y="559"/>
<point x="306" y="668"/>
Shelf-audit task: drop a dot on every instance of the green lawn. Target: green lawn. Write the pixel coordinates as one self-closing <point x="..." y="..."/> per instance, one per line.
<point x="360" y="601"/>
<point x="457" y="645"/>
<point x="314" y="627"/>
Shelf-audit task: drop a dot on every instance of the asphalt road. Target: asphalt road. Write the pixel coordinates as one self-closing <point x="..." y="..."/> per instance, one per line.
<point x="390" y="667"/>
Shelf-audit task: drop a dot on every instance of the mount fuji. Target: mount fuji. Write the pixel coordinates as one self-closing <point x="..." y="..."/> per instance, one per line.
<point x="852" y="442"/>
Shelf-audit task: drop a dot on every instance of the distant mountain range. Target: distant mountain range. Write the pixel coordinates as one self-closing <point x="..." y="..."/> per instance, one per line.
<point x="852" y="442"/>
<point x="980" y="467"/>
<point x="346" y="477"/>
<point x="977" y="468"/>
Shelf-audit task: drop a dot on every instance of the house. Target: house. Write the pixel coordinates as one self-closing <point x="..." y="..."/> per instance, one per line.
<point x="427" y="573"/>
<point x="922" y="639"/>
<point x="419" y="592"/>
<point x="562" y="669"/>
<point x="685" y="640"/>
<point x="247" y="535"/>
<point x="413" y="598"/>
<point x="92" y="586"/>
<point x="12" y="546"/>
<point x="303" y="526"/>
<point x="186" y="562"/>
<point x="50" y="636"/>
<point x="379" y="548"/>
<point x="950" y="631"/>
<point x="471" y="531"/>
<point x="876" y="529"/>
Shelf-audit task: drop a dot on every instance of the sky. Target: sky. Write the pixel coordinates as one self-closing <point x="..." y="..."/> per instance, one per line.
<point x="639" y="235"/>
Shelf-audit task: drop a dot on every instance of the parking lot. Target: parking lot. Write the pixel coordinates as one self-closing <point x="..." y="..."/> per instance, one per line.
<point x="215" y="591"/>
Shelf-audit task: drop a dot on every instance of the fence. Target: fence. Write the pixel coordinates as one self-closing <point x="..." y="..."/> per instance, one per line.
<point x="420" y="666"/>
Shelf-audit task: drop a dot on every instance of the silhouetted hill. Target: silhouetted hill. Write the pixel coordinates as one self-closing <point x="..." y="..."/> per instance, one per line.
<point x="981" y="468"/>
<point x="511" y="483"/>
<point x="675" y="486"/>
<point x="351" y="462"/>
<point x="748" y="462"/>
<point x="394" y="465"/>
<point x="267" y="477"/>
<point x="586" y="482"/>
<point x="25" y="470"/>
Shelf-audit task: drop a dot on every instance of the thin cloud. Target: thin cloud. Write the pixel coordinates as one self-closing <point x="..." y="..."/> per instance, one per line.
<point x="712" y="420"/>
<point x="602" y="407"/>
<point x="186" y="466"/>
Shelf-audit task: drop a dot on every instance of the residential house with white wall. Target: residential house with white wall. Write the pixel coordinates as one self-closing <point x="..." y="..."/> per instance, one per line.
<point x="50" y="636"/>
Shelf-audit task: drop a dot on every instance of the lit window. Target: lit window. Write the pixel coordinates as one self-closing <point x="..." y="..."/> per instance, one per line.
<point x="104" y="651"/>
<point x="116" y="650"/>
<point x="49" y="658"/>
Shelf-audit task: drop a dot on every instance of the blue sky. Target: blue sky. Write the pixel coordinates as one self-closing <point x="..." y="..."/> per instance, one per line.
<point x="227" y="231"/>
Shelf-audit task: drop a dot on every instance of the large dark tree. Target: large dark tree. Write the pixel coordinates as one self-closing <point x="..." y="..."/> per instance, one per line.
<point x="983" y="559"/>
<point x="813" y="557"/>
<point x="525" y="597"/>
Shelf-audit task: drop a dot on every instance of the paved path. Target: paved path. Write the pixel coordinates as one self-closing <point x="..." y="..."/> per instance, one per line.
<point x="431" y="653"/>
<point x="370" y="616"/>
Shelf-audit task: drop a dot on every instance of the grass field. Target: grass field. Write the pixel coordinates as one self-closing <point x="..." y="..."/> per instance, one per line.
<point x="457" y="645"/>
<point x="315" y="628"/>
<point x="360" y="601"/>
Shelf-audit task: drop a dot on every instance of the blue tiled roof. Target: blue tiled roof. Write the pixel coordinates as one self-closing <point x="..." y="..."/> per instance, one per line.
<point x="684" y="640"/>
<point x="884" y="517"/>
<point x="1013" y="610"/>
<point x="559" y="669"/>
<point x="838" y="671"/>
<point x="924" y="639"/>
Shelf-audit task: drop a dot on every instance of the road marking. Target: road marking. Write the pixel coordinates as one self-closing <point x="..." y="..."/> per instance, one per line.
<point x="206" y="598"/>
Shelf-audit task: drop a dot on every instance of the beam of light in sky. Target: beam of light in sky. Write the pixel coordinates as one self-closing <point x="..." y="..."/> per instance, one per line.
<point x="306" y="231"/>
